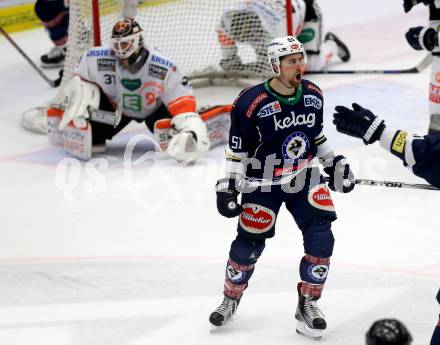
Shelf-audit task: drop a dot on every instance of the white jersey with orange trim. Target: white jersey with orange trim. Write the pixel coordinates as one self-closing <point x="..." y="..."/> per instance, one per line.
<point x="273" y="15"/>
<point x="141" y="93"/>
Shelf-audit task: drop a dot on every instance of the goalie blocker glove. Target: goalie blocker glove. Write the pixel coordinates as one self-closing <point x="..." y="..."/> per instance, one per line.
<point x="358" y="123"/>
<point x="409" y="4"/>
<point x="227" y="193"/>
<point x="422" y="38"/>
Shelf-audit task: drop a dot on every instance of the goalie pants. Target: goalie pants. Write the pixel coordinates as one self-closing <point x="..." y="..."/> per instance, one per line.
<point x="102" y="132"/>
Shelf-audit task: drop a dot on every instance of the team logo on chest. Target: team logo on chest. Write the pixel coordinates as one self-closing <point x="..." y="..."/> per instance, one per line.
<point x="294" y="120"/>
<point x="295" y="147"/>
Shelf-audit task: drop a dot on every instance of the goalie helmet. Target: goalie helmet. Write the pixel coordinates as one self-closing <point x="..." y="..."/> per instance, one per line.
<point x="283" y="46"/>
<point x="388" y="332"/>
<point x="126" y="38"/>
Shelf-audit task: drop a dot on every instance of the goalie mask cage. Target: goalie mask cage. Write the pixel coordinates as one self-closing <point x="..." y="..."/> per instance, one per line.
<point x="184" y="30"/>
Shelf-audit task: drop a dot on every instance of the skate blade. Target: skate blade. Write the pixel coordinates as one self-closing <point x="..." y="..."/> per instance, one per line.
<point x="306" y="331"/>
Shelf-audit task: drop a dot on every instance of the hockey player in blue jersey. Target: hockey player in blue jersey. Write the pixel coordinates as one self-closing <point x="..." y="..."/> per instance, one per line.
<point x="421" y="154"/>
<point x="275" y="142"/>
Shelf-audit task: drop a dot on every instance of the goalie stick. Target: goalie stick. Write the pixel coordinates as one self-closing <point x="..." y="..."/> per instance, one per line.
<point x="52" y="83"/>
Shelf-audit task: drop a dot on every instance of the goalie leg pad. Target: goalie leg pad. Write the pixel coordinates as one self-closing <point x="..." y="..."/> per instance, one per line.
<point x="78" y="141"/>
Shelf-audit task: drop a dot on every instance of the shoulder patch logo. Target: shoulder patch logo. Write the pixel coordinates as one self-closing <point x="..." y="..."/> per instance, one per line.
<point x="157" y="71"/>
<point x="312" y="101"/>
<point x="314" y="88"/>
<point x="257" y="100"/>
<point x="108" y="65"/>
<point x="270" y="109"/>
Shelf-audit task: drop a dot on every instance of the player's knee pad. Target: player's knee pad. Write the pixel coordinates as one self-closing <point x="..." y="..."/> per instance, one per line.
<point x="318" y="237"/>
<point x="245" y="251"/>
<point x="314" y="270"/>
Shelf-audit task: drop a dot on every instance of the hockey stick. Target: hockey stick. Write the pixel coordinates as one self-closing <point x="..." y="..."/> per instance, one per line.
<point x="416" y="69"/>
<point x="52" y="83"/>
<point x="391" y="184"/>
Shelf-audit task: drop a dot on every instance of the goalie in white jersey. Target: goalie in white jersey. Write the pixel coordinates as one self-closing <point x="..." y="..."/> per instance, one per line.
<point x="126" y="81"/>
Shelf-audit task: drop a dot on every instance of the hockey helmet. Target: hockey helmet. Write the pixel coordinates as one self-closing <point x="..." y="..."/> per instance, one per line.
<point x="126" y="38"/>
<point x="388" y="332"/>
<point x="283" y="46"/>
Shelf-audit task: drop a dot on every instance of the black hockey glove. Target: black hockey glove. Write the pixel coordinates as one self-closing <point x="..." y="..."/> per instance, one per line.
<point x="227" y="193"/>
<point x="421" y="38"/>
<point x="341" y="177"/>
<point x="409" y="4"/>
<point x="359" y="123"/>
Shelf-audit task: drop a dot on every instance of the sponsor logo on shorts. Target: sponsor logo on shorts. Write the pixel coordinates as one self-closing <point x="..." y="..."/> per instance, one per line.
<point x="157" y="71"/>
<point x="261" y="97"/>
<point x="434" y="93"/>
<point x="108" y="65"/>
<point x="256" y="219"/>
<point x="319" y="197"/>
<point x="312" y="101"/>
<point x="270" y="109"/>
<point x="318" y="272"/>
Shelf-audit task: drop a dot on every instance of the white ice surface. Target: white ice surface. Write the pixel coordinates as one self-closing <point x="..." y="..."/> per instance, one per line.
<point x="136" y="256"/>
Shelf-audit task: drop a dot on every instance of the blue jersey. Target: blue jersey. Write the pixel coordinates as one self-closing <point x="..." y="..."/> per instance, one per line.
<point x="282" y="133"/>
<point x="421" y="154"/>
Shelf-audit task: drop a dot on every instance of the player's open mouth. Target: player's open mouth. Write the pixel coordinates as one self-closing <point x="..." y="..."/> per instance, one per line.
<point x="298" y="76"/>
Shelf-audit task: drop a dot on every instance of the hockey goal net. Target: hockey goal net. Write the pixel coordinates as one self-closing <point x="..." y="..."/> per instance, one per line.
<point x="187" y="31"/>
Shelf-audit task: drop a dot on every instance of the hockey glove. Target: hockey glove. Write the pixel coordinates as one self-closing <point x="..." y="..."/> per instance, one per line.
<point x="409" y="4"/>
<point x="420" y="38"/>
<point x="341" y="177"/>
<point x="359" y="123"/>
<point x="227" y="193"/>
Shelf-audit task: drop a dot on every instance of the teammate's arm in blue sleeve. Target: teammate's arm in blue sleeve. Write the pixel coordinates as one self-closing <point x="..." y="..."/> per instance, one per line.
<point x="421" y="154"/>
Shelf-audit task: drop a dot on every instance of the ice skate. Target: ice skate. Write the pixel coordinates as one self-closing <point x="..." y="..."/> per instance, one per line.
<point x="54" y="58"/>
<point x="224" y="313"/>
<point x="343" y="51"/>
<point x="310" y="318"/>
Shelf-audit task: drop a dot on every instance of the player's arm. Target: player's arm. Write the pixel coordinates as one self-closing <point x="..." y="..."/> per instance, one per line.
<point x="421" y="154"/>
<point x="189" y="135"/>
<point x="337" y="167"/>
<point x="242" y="135"/>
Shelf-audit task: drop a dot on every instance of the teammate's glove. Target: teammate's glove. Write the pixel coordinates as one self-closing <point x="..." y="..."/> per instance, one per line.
<point x="421" y="38"/>
<point x="359" y="123"/>
<point x="227" y="193"/>
<point x="409" y="4"/>
<point x="341" y="177"/>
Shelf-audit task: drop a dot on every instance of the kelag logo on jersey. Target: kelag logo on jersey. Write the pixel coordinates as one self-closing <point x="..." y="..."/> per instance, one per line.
<point x="295" y="147"/>
<point x="270" y="109"/>
<point x="295" y="120"/>
<point x="162" y="61"/>
<point x="312" y="101"/>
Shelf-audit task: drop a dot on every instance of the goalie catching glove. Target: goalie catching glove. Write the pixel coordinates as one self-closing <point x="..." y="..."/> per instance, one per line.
<point x="189" y="139"/>
<point x="80" y="96"/>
